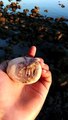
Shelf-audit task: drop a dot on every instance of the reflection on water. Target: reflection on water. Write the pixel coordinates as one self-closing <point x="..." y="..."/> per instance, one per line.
<point x="55" y="8"/>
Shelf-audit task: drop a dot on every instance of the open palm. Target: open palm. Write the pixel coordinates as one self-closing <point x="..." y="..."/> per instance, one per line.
<point x="23" y="102"/>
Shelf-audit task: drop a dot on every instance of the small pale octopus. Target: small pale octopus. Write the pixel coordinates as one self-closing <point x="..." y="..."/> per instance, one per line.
<point x="24" y="69"/>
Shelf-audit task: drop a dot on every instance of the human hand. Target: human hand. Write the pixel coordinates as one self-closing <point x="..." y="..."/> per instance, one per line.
<point x="23" y="102"/>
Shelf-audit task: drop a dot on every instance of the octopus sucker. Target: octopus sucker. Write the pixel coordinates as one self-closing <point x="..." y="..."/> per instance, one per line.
<point x="24" y="69"/>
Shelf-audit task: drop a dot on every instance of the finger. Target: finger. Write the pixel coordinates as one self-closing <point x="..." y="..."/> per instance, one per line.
<point x="43" y="84"/>
<point x="32" y="51"/>
<point x="44" y="66"/>
<point x="46" y="79"/>
<point x="41" y="60"/>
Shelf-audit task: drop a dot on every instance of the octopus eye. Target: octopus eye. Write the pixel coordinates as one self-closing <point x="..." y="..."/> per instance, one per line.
<point x="34" y="71"/>
<point x="28" y="72"/>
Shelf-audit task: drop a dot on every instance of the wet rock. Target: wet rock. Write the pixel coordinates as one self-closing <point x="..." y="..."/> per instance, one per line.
<point x="2" y="20"/>
<point x="62" y="5"/>
<point x="3" y="43"/>
<point x="45" y="10"/>
<point x="0" y="14"/>
<point x="2" y="53"/>
<point x="1" y="3"/>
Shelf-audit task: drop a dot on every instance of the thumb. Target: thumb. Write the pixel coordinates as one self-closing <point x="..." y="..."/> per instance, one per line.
<point x="32" y="51"/>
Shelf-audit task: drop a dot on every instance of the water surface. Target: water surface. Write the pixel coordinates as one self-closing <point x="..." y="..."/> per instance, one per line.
<point x="53" y="7"/>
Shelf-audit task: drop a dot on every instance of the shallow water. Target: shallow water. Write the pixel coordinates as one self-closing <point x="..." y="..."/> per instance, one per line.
<point x="53" y="7"/>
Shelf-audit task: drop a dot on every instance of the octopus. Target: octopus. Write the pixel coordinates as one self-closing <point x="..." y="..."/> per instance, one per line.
<point x="24" y="69"/>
